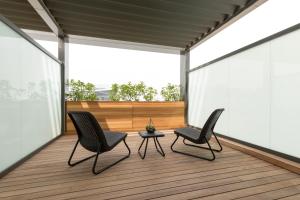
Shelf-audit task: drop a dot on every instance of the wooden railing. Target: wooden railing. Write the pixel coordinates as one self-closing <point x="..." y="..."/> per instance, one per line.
<point x="130" y="116"/>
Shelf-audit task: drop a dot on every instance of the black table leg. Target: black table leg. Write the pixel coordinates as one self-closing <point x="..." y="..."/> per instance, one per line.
<point x="145" y="151"/>
<point x="158" y="147"/>
<point x="161" y="151"/>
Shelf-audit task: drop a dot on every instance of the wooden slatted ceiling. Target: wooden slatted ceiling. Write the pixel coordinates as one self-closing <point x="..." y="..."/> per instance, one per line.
<point x="164" y="22"/>
<point x="21" y="13"/>
<point x="175" y="23"/>
<point x="233" y="175"/>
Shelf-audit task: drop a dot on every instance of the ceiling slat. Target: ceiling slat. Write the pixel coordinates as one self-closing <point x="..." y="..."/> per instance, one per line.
<point x="124" y="32"/>
<point x="16" y="9"/>
<point x="170" y="6"/>
<point x="124" y="22"/>
<point x="222" y="6"/>
<point x="112" y="27"/>
<point x="130" y="39"/>
<point x="64" y="7"/>
<point x="129" y="8"/>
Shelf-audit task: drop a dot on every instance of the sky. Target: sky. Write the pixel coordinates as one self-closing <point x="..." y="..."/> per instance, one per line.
<point x="104" y="66"/>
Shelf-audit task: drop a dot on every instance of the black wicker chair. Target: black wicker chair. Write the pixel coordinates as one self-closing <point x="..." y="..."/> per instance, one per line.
<point x="200" y="136"/>
<point x="93" y="138"/>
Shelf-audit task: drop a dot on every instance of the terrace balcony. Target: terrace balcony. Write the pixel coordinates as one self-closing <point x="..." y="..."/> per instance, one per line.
<point x="256" y="83"/>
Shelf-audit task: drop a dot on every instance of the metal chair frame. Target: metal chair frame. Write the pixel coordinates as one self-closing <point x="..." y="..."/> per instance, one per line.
<point x="97" y="139"/>
<point x="204" y="137"/>
<point x="200" y="147"/>
<point x="96" y="158"/>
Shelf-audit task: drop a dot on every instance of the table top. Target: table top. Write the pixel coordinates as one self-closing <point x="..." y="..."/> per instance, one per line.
<point x="145" y="134"/>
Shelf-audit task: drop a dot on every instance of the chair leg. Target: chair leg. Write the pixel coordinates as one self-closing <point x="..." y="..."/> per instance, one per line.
<point x="217" y="150"/>
<point x="80" y="161"/>
<point x="221" y="148"/>
<point x="211" y="150"/>
<point x="109" y="166"/>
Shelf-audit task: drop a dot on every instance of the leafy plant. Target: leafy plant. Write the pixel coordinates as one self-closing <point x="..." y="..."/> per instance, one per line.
<point x="114" y="93"/>
<point x="129" y="92"/>
<point x="150" y="128"/>
<point x="132" y="92"/>
<point x="90" y="92"/>
<point x="149" y="93"/>
<point x="140" y="90"/>
<point x="171" y="92"/>
<point x="81" y="91"/>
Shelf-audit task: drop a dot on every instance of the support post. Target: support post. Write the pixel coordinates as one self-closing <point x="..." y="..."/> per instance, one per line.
<point x="184" y="80"/>
<point x="62" y="58"/>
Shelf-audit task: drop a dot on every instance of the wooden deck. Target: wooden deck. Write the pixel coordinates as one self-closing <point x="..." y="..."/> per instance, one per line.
<point x="233" y="175"/>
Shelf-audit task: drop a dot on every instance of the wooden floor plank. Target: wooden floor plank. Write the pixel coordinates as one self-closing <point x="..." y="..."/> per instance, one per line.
<point x="256" y="189"/>
<point x="135" y="184"/>
<point x="176" y="171"/>
<point x="275" y="193"/>
<point x="292" y="197"/>
<point x="153" y="191"/>
<point x="232" y="175"/>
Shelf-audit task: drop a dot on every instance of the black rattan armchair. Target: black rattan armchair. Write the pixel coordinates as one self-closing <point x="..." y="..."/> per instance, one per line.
<point x="93" y="138"/>
<point x="200" y="136"/>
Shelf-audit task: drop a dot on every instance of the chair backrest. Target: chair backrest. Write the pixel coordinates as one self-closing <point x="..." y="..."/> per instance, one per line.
<point x="209" y="125"/>
<point x="88" y="129"/>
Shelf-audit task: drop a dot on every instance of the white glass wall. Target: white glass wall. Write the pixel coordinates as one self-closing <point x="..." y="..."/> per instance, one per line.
<point x="30" y="97"/>
<point x="259" y="89"/>
<point x="257" y="24"/>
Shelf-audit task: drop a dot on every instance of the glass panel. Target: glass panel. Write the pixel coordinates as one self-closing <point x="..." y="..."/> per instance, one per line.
<point x="30" y="97"/>
<point x="207" y="91"/>
<point x="285" y="95"/>
<point x="258" y="89"/>
<point x="258" y="24"/>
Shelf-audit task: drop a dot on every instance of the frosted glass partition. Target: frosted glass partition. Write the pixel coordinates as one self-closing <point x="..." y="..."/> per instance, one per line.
<point x="259" y="89"/>
<point x="259" y="23"/>
<point x="30" y="97"/>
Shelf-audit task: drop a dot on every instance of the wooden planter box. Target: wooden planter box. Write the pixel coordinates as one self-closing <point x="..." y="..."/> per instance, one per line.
<point x="130" y="116"/>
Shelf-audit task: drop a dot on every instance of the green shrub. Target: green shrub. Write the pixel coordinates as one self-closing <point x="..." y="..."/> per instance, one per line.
<point x="114" y="93"/>
<point x="131" y="92"/>
<point x="80" y="91"/>
<point x="149" y="94"/>
<point x="171" y="92"/>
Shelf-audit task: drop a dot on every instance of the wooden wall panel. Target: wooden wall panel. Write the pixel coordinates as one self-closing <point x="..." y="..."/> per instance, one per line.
<point x="165" y="115"/>
<point x="130" y="116"/>
<point x="111" y="115"/>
